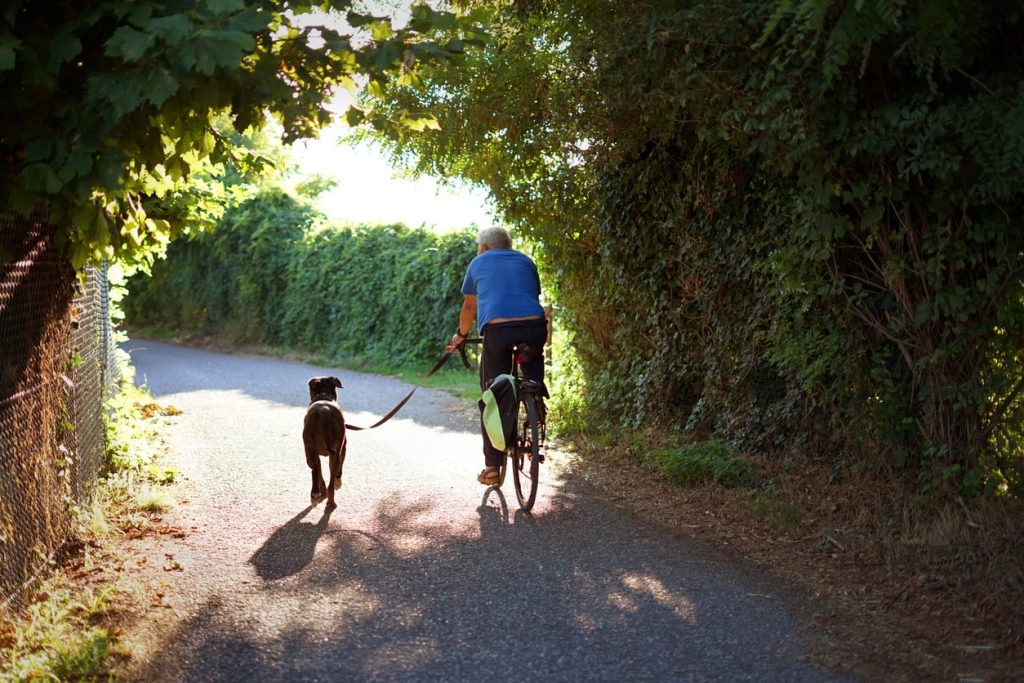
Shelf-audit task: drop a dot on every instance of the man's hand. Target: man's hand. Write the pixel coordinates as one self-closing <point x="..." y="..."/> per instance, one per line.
<point x="454" y="342"/>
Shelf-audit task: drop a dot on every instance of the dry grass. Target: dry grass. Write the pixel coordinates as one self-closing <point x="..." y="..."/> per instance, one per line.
<point x="909" y="593"/>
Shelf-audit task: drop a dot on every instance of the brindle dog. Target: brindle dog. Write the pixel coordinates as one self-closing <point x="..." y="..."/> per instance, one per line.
<point x="323" y="433"/>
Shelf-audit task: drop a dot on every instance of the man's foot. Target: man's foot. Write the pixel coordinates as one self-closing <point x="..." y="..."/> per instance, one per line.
<point x="489" y="476"/>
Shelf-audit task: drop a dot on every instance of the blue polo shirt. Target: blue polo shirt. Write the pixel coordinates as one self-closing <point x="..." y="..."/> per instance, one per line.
<point x="506" y="285"/>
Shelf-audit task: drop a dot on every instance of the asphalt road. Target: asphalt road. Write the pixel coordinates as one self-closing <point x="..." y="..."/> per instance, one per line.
<point x="421" y="573"/>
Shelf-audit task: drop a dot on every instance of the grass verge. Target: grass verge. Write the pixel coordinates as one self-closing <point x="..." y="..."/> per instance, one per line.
<point x="58" y="637"/>
<point x="68" y="630"/>
<point x="453" y="378"/>
<point x="689" y="464"/>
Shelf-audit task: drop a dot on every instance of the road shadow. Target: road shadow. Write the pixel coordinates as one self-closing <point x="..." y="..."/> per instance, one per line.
<point x="496" y="519"/>
<point x="291" y="547"/>
<point x="580" y="592"/>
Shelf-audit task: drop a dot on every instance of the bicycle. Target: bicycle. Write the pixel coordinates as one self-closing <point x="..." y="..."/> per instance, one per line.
<point x="526" y="451"/>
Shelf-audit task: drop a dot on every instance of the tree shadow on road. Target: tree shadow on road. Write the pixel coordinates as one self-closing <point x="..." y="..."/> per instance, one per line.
<point x="290" y="548"/>
<point x="578" y="592"/>
<point x="495" y="517"/>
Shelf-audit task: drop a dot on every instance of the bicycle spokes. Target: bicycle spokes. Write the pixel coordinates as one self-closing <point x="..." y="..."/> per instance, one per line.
<point x="527" y="455"/>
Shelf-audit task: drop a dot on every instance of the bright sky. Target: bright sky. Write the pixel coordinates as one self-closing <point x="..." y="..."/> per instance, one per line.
<point x="370" y="191"/>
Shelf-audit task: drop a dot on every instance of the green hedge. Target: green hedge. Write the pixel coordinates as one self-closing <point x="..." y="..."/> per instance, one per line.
<point x="272" y="272"/>
<point x="789" y="226"/>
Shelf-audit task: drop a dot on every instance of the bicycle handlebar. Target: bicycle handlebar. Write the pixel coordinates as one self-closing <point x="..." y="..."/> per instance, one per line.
<point x="461" y="348"/>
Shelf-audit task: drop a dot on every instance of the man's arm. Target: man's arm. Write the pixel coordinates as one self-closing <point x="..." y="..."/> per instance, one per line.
<point x="466" y="316"/>
<point x="468" y="313"/>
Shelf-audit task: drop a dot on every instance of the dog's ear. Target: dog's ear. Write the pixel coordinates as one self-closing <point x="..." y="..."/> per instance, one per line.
<point x="337" y="382"/>
<point x="312" y="381"/>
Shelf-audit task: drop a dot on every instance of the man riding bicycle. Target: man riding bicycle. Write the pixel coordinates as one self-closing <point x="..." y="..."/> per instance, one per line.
<point x="502" y="290"/>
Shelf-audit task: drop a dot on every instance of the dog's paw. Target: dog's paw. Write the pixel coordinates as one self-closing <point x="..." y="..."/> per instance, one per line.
<point x="331" y="505"/>
<point x="315" y="499"/>
<point x="337" y="483"/>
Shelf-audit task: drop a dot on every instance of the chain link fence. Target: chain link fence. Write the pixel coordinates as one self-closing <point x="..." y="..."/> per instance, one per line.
<point x="57" y="368"/>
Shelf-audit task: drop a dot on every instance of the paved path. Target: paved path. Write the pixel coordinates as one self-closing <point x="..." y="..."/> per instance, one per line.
<point x="417" y="575"/>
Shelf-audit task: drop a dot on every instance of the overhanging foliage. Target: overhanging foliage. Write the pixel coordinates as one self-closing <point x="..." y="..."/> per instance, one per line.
<point x="110" y="105"/>
<point x="792" y="225"/>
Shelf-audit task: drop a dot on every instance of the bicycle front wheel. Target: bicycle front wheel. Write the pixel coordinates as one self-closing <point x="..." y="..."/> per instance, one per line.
<point x="526" y="451"/>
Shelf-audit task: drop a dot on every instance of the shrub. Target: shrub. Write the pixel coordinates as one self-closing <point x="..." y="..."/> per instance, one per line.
<point x="272" y="272"/>
<point x="690" y="464"/>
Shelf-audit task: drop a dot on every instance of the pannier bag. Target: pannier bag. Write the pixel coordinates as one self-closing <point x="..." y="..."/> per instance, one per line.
<point x="498" y="411"/>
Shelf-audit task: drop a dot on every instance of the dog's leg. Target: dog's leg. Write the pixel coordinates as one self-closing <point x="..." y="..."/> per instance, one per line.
<point x="335" y="480"/>
<point x="316" y="493"/>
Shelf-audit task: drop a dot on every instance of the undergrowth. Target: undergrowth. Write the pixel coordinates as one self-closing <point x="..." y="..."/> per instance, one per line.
<point x="64" y="634"/>
<point x="698" y="463"/>
<point x="57" y="637"/>
<point x="693" y="463"/>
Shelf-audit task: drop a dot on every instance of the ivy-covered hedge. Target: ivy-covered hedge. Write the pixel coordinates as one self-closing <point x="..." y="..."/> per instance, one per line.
<point x="273" y="272"/>
<point x="793" y="226"/>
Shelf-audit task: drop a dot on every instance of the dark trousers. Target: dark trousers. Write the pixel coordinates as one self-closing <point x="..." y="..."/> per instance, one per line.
<point x="496" y="359"/>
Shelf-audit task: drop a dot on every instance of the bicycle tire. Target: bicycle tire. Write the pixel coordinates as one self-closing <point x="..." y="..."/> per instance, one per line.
<point x="503" y="469"/>
<point x="526" y="452"/>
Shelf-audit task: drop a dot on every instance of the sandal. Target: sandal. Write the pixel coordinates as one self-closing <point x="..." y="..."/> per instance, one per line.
<point x="489" y="476"/>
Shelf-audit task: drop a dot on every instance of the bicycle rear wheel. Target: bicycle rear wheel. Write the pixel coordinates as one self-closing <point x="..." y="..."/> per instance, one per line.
<point x="526" y="451"/>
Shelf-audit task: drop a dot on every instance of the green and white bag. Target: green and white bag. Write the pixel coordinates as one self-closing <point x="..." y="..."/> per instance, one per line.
<point x="498" y="411"/>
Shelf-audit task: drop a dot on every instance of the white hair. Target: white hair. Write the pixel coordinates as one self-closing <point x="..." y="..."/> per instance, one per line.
<point x="495" y="238"/>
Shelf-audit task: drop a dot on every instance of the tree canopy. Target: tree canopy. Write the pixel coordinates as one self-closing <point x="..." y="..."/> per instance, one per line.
<point x="111" y="106"/>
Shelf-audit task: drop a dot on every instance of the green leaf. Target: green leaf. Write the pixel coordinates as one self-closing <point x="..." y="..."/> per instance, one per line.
<point x="80" y="253"/>
<point x="225" y="6"/>
<point x="222" y="49"/>
<point x="110" y="166"/>
<point x="99" y="229"/>
<point x="40" y="149"/>
<point x="79" y="163"/>
<point x="173" y="168"/>
<point x="422" y="19"/>
<point x="381" y="30"/>
<point x="250" y="21"/>
<point x="354" y="116"/>
<point x="35" y="176"/>
<point x="208" y="143"/>
<point x="357" y="20"/>
<point x="172" y="29"/>
<point x="388" y="55"/>
<point x="420" y="122"/>
<point x="141" y="13"/>
<point x="161" y="86"/>
<point x="123" y="94"/>
<point x="82" y="215"/>
<point x="64" y="47"/>
<point x="9" y="46"/>
<point x="53" y="181"/>
<point x="129" y="44"/>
